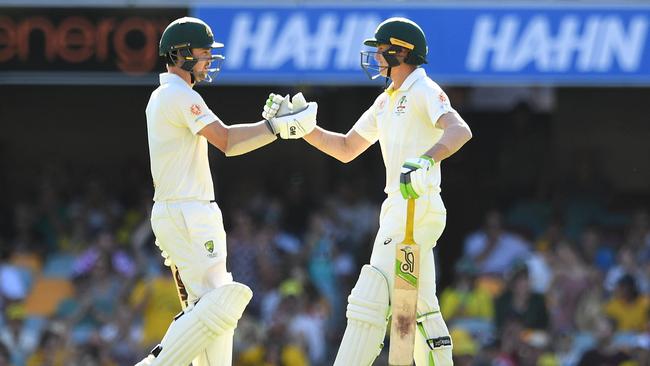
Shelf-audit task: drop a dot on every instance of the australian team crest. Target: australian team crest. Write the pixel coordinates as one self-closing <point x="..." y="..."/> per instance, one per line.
<point x="209" y="246"/>
<point x="401" y="106"/>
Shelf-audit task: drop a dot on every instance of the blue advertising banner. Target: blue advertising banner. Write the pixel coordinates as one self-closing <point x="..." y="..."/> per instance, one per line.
<point x="468" y="45"/>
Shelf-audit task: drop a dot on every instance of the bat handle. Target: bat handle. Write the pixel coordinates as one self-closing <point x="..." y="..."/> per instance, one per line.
<point x="180" y="287"/>
<point x="410" y="212"/>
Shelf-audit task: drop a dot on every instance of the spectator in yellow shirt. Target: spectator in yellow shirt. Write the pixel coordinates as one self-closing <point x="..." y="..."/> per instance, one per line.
<point x="627" y="307"/>
<point x="464" y="299"/>
<point x="156" y="298"/>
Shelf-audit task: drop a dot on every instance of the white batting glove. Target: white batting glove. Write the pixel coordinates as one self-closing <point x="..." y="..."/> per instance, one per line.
<point x="414" y="178"/>
<point x="272" y="105"/>
<point x="296" y="124"/>
<point x="295" y="105"/>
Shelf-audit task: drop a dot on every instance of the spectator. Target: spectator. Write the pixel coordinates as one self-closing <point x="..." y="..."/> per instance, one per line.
<point x="247" y="264"/>
<point x="12" y="286"/>
<point x="494" y="250"/>
<point x="52" y="349"/>
<point x="605" y="352"/>
<point x="540" y="262"/>
<point x="628" y="308"/>
<point x="627" y="264"/>
<point x="463" y="299"/>
<point x="103" y="291"/>
<point x="594" y="251"/>
<point x="119" y="260"/>
<point x="572" y="278"/>
<point x="308" y="324"/>
<point x="465" y="347"/>
<point x="155" y="300"/>
<point x="521" y="303"/>
<point x="17" y="336"/>
<point x="278" y="348"/>
<point x="320" y="249"/>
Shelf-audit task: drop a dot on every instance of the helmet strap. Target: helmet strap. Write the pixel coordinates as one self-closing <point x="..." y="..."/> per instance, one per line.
<point x="188" y="59"/>
<point x="390" y="55"/>
<point x="387" y="77"/>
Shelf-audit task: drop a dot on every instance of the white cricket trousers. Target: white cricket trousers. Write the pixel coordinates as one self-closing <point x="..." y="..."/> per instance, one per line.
<point x="191" y="234"/>
<point x="429" y="223"/>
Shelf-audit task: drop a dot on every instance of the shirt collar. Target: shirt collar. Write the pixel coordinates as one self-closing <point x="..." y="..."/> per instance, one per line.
<point x="170" y="78"/>
<point x="416" y="75"/>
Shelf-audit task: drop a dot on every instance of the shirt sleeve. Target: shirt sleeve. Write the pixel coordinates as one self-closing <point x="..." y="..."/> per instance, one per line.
<point x="437" y="103"/>
<point x="366" y="125"/>
<point x="195" y="114"/>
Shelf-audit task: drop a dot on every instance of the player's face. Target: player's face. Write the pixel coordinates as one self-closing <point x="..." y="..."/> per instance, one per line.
<point x="201" y="68"/>
<point x="381" y="60"/>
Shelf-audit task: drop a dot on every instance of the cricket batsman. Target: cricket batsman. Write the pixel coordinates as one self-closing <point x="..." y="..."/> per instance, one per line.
<point x="187" y="223"/>
<point x="417" y="128"/>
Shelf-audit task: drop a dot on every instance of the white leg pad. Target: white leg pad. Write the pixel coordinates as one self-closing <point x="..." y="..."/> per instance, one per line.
<point x="217" y="353"/>
<point x="432" y="343"/>
<point x="146" y="361"/>
<point x="216" y="313"/>
<point x="367" y="315"/>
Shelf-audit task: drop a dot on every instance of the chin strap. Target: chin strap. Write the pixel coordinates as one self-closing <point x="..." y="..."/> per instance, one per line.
<point x="387" y="77"/>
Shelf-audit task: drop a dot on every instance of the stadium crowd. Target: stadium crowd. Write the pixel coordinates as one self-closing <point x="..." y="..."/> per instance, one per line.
<point x="82" y="282"/>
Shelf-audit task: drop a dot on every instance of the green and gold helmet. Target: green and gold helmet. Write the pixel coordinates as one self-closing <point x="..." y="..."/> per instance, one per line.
<point x="186" y="32"/>
<point x="404" y="33"/>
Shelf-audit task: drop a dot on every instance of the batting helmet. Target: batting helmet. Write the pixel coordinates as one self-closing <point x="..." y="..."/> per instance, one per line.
<point x="404" y="33"/>
<point x="182" y="35"/>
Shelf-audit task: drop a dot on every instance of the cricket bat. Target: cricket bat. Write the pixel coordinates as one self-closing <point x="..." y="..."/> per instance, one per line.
<point x="405" y="296"/>
<point x="180" y="287"/>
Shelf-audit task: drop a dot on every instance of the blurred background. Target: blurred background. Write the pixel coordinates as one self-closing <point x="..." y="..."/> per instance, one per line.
<point x="545" y="259"/>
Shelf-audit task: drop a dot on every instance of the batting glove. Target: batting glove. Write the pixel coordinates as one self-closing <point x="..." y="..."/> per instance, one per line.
<point x="297" y="124"/>
<point x="272" y="105"/>
<point x="413" y="180"/>
<point x="294" y="105"/>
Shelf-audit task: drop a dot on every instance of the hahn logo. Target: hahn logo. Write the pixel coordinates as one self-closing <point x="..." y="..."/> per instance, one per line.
<point x="591" y="43"/>
<point x="268" y="41"/>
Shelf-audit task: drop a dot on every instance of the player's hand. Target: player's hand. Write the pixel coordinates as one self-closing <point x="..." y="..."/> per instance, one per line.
<point x="272" y="105"/>
<point x="413" y="180"/>
<point x="297" y="124"/>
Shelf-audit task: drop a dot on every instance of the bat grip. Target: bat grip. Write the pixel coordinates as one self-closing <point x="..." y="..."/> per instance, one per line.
<point x="410" y="212"/>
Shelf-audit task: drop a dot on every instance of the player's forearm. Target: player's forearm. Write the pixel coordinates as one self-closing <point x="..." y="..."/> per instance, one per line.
<point x="451" y="141"/>
<point x="331" y="143"/>
<point x="246" y="137"/>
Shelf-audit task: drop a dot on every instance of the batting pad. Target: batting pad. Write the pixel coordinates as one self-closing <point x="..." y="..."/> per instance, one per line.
<point x="146" y="361"/>
<point x="217" y="353"/>
<point x="367" y="315"/>
<point x="433" y="342"/>
<point x="216" y="313"/>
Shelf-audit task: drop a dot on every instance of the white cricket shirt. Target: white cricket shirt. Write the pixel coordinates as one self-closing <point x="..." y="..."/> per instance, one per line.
<point x="179" y="156"/>
<point x="403" y="121"/>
